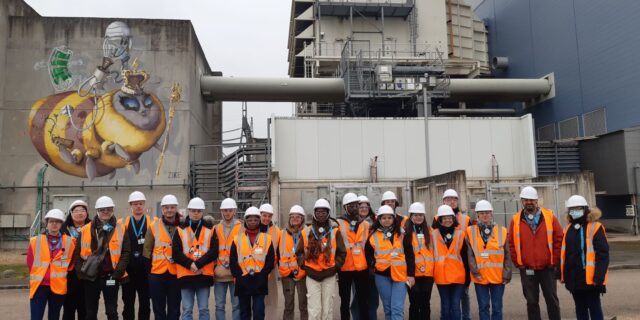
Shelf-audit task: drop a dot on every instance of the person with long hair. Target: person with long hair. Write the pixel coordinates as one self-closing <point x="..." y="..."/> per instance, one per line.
<point x="365" y="213"/>
<point x="321" y="253"/>
<point x="391" y="254"/>
<point x="74" y="301"/>
<point x="417" y="229"/>
<point x="293" y="277"/>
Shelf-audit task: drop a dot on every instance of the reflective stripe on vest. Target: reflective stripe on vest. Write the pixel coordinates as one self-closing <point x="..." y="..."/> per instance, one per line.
<point x="251" y="259"/>
<point x="448" y="266"/>
<point x="161" y="255"/>
<point x="389" y="255"/>
<point x="320" y="264"/>
<point x="191" y="246"/>
<point x="115" y="243"/>
<point x="491" y="265"/>
<point x="43" y="262"/>
<point x="590" y="255"/>
<point x="548" y="221"/>
<point x="354" y="241"/>
<point x="423" y="257"/>
<point x="225" y="241"/>
<point x="288" y="261"/>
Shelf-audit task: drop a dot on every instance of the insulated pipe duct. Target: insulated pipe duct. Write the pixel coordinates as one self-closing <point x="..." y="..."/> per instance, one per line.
<point x="273" y="89"/>
<point x="494" y="112"/>
<point x="415" y="70"/>
<point x="502" y="89"/>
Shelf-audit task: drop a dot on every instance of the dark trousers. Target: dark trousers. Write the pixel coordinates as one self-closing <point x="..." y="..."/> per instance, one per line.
<point x="289" y="288"/>
<point x="587" y="305"/>
<point x="74" y="300"/>
<point x="531" y="285"/>
<point x="419" y="298"/>
<point x="251" y="305"/>
<point x="92" y="291"/>
<point x="139" y="284"/>
<point x="43" y="297"/>
<point x="165" y="296"/>
<point x="450" y="295"/>
<point x="361" y="280"/>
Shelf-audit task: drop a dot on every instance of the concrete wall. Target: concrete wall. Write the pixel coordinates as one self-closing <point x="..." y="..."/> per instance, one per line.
<point x="429" y="190"/>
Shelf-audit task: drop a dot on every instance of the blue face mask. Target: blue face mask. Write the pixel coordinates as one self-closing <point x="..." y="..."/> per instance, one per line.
<point x="576" y="214"/>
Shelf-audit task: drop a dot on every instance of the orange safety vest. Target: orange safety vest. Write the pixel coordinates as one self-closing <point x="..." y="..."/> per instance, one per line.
<point x="161" y="256"/>
<point x="462" y="225"/>
<point x="42" y="262"/>
<point x="548" y="221"/>
<point x="354" y="242"/>
<point x="490" y="257"/>
<point x="147" y="221"/>
<point x="194" y="249"/>
<point x="115" y="244"/>
<point x="448" y="267"/>
<point x="404" y="221"/>
<point x="590" y="257"/>
<point x="423" y="255"/>
<point x="288" y="261"/>
<point x="225" y="241"/>
<point x="275" y="234"/>
<point x="251" y="258"/>
<point x="389" y="255"/>
<point x="320" y="264"/>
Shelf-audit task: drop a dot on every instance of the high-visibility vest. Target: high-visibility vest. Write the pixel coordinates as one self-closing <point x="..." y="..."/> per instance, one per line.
<point x="288" y="261"/>
<point x="403" y="221"/>
<point x="161" y="256"/>
<point x="194" y="249"/>
<point x="490" y="257"/>
<point x="115" y="244"/>
<point x="320" y="264"/>
<point x="42" y="262"/>
<point x="354" y="242"/>
<point x="548" y="221"/>
<point x="127" y="221"/>
<point x="463" y="221"/>
<point x="225" y="241"/>
<point x="590" y="256"/>
<point x="251" y="258"/>
<point x="448" y="267"/>
<point x="423" y="256"/>
<point x="389" y="255"/>
<point x="275" y="234"/>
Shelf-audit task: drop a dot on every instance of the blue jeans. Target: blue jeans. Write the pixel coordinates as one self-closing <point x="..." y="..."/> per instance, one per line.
<point x="220" y="291"/>
<point x="251" y="304"/>
<point x="465" y="304"/>
<point x="202" y="294"/>
<point x="450" y="295"/>
<point x="392" y="295"/>
<point x="490" y="295"/>
<point x="43" y="297"/>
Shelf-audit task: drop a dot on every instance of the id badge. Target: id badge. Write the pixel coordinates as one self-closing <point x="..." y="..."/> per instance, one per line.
<point x="258" y="250"/>
<point x="394" y="254"/>
<point x="111" y="283"/>
<point x="484" y="255"/>
<point x="420" y="235"/>
<point x="357" y="251"/>
<point x="141" y="241"/>
<point x="197" y="254"/>
<point x="530" y="272"/>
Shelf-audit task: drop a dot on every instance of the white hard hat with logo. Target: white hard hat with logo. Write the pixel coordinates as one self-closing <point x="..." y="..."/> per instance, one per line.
<point x="576" y="201"/>
<point x="445" y="210"/>
<point x="296" y="209"/>
<point x="450" y="193"/>
<point x="529" y="193"/>
<point x="266" y="208"/>
<point x="169" y="200"/>
<point x="78" y="203"/>
<point x="196" y="204"/>
<point x="228" y="203"/>
<point x="417" y="207"/>
<point x="349" y="198"/>
<point x="137" y="196"/>
<point x="363" y="199"/>
<point x="384" y="210"/>
<point x="483" y="205"/>
<point x="322" y="203"/>
<point x="54" y="214"/>
<point x="104" y="202"/>
<point x="252" y="211"/>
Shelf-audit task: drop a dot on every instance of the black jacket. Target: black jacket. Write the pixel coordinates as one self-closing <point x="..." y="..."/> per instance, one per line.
<point x="574" y="274"/>
<point x="251" y="285"/>
<point x="196" y="281"/>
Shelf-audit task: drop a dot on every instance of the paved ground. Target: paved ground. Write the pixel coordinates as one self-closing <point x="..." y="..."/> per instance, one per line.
<point x="621" y="301"/>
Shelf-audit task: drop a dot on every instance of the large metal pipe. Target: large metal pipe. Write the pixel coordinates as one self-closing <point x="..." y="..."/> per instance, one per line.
<point x="273" y="89"/>
<point x="506" y="88"/>
<point x="495" y="112"/>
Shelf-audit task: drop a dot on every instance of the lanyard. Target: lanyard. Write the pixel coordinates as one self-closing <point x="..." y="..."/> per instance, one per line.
<point x="296" y="238"/>
<point x="137" y="232"/>
<point x="584" y="261"/>
<point x="323" y="236"/>
<point x="249" y="240"/>
<point x="167" y="230"/>
<point x="194" y="231"/>
<point x="416" y="232"/>
<point x="73" y="232"/>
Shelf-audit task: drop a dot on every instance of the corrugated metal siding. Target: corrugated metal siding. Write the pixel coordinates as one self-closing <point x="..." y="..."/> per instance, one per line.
<point x="632" y="153"/>
<point x="555" y="158"/>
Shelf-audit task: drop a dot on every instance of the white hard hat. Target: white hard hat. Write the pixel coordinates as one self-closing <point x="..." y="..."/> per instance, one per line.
<point x="529" y="193"/>
<point x="228" y="203"/>
<point x="266" y="208"/>
<point x="104" y="202"/>
<point x="576" y="201"/>
<point x="389" y="195"/>
<point x="136" y="196"/>
<point x="349" y="198"/>
<point x="417" y="207"/>
<point x="450" y="193"/>
<point x="55" y="214"/>
<point x="78" y="203"/>
<point x="169" y="200"/>
<point x="322" y="203"/>
<point x="384" y="210"/>
<point x="483" y="205"/>
<point x="252" y="211"/>
<point x="362" y="199"/>
<point x="445" y="210"/>
<point x="196" y="204"/>
<point x="296" y="209"/>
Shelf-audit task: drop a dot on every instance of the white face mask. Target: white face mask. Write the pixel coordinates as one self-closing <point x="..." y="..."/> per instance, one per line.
<point x="576" y="214"/>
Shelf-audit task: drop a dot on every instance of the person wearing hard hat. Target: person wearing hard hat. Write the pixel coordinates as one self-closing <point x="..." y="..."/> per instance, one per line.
<point x="48" y="259"/>
<point x="74" y="300"/>
<point x="321" y="253"/>
<point x="101" y="259"/>
<point x="418" y="231"/>
<point x="450" y="268"/>
<point x="365" y="212"/>
<point x="389" y="199"/>
<point x="584" y="258"/>
<point x="354" y="271"/>
<point x="293" y="277"/>
<point x="158" y="241"/>
<point x="226" y="230"/>
<point x="267" y="225"/>
<point x="489" y="261"/>
<point x="391" y="254"/>
<point x="136" y="226"/>
<point x="194" y="250"/>
<point x="252" y="257"/>
<point x="535" y="238"/>
<point x="373" y="299"/>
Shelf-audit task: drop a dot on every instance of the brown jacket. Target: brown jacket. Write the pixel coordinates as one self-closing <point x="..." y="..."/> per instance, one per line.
<point x="341" y="253"/>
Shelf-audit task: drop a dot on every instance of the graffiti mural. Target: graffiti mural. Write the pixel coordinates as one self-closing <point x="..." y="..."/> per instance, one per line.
<point x="108" y="122"/>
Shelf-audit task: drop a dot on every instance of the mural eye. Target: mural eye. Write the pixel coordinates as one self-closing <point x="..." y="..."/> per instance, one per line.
<point x="148" y="101"/>
<point x="129" y="103"/>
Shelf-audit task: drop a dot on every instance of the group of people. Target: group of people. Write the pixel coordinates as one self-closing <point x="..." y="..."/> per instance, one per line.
<point x="377" y="256"/>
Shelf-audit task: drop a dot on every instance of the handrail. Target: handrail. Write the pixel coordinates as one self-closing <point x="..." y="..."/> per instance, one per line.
<point x="35" y="224"/>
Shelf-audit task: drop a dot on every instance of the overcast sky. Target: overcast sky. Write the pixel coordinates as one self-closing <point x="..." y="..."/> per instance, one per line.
<point x="239" y="38"/>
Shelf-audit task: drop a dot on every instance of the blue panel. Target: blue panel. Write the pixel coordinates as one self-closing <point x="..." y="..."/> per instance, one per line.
<point x="613" y="207"/>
